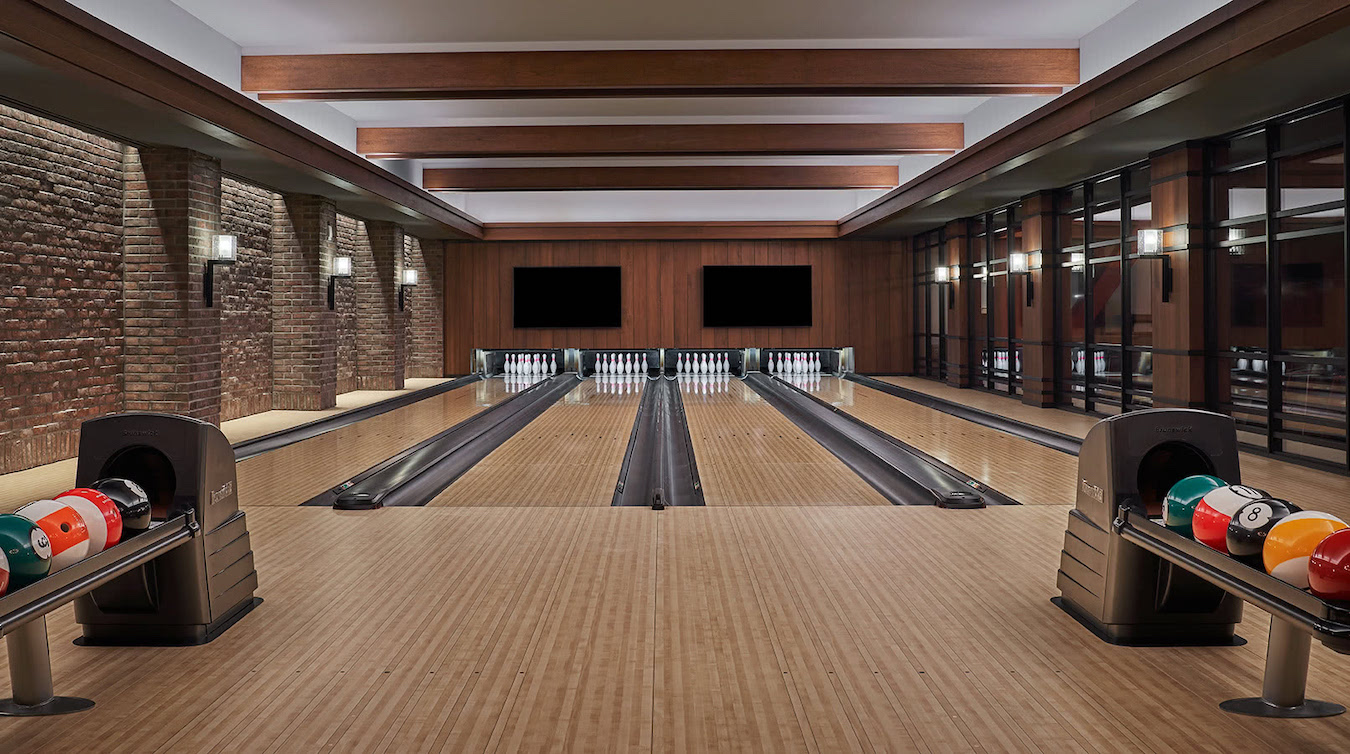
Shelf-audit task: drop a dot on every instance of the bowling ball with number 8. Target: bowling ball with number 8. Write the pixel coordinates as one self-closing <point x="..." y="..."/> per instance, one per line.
<point x="1253" y="521"/>
<point x="26" y="548"/>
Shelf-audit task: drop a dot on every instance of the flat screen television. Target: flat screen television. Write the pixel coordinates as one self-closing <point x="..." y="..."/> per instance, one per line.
<point x="757" y="295"/>
<point x="555" y="297"/>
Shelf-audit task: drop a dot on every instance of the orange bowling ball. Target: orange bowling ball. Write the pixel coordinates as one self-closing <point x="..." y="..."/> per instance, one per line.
<point x="1291" y="543"/>
<point x="64" y="526"/>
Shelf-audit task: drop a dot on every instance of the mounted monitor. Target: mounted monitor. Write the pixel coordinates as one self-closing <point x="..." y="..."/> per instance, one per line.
<point x="555" y="297"/>
<point x="757" y="296"/>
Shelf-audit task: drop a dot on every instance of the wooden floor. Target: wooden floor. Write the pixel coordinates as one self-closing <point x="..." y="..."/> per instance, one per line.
<point x="750" y="454"/>
<point x="295" y="473"/>
<point x="1311" y="489"/>
<point x="712" y="629"/>
<point x="570" y="455"/>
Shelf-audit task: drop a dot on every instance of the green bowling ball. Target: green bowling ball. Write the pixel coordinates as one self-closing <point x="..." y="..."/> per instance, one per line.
<point x="27" y="549"/>
<point x="1179" y="505"/>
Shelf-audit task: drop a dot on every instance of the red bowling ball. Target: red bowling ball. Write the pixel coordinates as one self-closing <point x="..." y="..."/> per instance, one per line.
<point x="1329" y="567"/>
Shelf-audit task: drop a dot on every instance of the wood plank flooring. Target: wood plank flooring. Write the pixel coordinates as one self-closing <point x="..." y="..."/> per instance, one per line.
<point x="569" y="455"/>
<point x="866" y="628"/>
<point x="295" y="473"/>
<point x="750" y="454"/>
<point x="1312" y="489"/>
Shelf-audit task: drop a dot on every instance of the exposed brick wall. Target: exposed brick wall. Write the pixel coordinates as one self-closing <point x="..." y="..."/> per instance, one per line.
<point x="304" y="331"/>
<point x="380" y="329"/>
<point x="60" y="286"/>
<point x="171" y="209"/>
<point x="244" y="295"/>
<point x="424" y="308"/>
<point x="351" y="242"/>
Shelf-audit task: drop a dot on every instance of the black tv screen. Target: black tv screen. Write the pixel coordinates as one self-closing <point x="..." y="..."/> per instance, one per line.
<point x="568" y="297"/>
<point x="757" y="296"/>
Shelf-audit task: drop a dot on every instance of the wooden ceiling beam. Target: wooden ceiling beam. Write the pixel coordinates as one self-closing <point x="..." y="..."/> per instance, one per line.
<point x="674" y="139"/>
<point x="661" y="73"/>
<point x="662" y="177"/>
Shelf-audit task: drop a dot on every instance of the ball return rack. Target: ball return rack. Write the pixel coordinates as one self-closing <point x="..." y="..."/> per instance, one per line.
<point x="182" y="582"/>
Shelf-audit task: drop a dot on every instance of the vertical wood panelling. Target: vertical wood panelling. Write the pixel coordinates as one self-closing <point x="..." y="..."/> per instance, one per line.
<point x="857" y="297"/>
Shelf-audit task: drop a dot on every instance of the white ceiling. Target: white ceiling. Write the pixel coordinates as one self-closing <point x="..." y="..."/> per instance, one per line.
<point x="320" y="25"/>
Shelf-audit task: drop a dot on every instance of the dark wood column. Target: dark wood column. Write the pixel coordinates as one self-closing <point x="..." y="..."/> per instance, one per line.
<point x="958" y="294"/>
<point x="1038" y="316"/>
<point x="1179" y="324"/>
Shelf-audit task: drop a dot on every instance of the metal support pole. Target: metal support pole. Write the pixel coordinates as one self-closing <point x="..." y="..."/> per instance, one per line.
<point x="30" y="675"/>
<point x="1282" y="690"/>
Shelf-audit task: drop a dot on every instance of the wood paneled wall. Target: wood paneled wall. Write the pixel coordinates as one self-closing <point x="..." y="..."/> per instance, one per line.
<point x="860" y="298"/>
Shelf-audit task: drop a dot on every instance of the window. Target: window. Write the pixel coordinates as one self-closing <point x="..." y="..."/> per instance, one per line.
<point x="930" y="306"/>
<point x="1277" y="266"/>
<point x="996" y="319"/>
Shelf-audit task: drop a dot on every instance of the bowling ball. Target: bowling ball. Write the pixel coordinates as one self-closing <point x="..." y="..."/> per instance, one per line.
<point x="1291" y="542"/>
<point x="100" y="514"/>
<point x="4" y="573"/>
<point x="132" y="502"/>
<point x="1247" y="531"/>
<point x="26" y="549"/>
<point x="64" y="528"/>
<point x="1329" y="567"/>
<point x="1179" y="505"/>
<point x="1215" y="511"/>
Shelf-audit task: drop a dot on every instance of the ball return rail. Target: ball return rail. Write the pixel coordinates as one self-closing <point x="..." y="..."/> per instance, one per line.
<point x="1296" y="616"/>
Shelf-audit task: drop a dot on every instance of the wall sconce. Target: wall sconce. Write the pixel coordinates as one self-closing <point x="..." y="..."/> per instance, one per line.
<point x="408" y="280"/>
<point x="942" y="274"/>
<point x="1077" y="258"/>
<point x="224" y="250"/>
<point x="342" y="268"/>
<point x="1021" y="263"/>
<point x="1149" y="244"/>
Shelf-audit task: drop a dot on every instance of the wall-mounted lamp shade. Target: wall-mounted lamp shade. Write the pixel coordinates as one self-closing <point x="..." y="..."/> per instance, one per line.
<point x="1017" y="262"/>
<point x="410" y="276"/>
<point x="1076" y="259"/>
<point x="1150" y="241"/>
<point x="942" y="274"/>
<point x="956" y="272"/>
<point x="226" y="248"/>
<point x="342" y="267"/>
<point x="1034" y="260"/>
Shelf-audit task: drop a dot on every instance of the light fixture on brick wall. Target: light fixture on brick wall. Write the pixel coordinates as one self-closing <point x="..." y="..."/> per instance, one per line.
<point x="407" y="280"/>
<point x="224" y="250"/>
<point x="342" y="268"/>
<point x="1149" y="245"/>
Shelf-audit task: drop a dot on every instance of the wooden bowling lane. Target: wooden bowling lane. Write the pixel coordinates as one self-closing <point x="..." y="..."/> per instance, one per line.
<point x="295" y="473"/>
<point x="700" y="629"/>
<point x="570" y="455"/>
<point x="750" y="454"/>
<point x="1031" y="474"/>
<point x="1309" y="488"/>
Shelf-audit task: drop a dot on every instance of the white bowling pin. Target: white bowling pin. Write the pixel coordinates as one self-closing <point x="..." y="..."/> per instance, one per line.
<point x="552" y="364"/>
<point x="644" y="364"/>
<point x="506" y="365"/>
<point x="726" y="364"/>
<point x="770" y="363"/>
<point x="815" y="363"/>
<point x="680" y="364"/>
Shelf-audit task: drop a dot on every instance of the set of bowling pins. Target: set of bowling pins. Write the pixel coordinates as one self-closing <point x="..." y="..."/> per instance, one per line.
<point x="620" y="363"/>
<point x="796" y="362"/>
<point x="705" y="384"/>
<point x="702" y="363"/>
<point x="1098" y="362"/>
<point x="619" y="384"/>
<point x="530" y="363"/>
<point x="1260" y="366"/>
<point x="1002" y="360"/>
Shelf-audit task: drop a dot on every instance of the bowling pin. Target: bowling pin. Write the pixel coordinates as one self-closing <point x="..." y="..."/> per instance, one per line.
<point x="644" y="364"/>
<point x="628" y="363"/>
<point x="771" y="362"/>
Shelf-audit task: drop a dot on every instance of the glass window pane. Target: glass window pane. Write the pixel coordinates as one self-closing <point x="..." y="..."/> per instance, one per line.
<point x="1240" y="289"/>
<point x="1312" y="179"/>
<point x="1145" y="278"/>
<point x="1312" y="295"/>
<point x="1242" y="150"/>
<point x="1141" y="369"/>
<point x="1243" y="387"/>
<point x="1310" y="129"/>
<point x="1071" y="304"/>
<point x="1106" y="319"/>
<point x="1240" y="194"/>
<point x="998" y="305"/>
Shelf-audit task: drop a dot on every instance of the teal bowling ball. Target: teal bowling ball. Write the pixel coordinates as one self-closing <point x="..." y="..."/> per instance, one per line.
<point x="26" y="548"/>
<point x="1179" y="505"/>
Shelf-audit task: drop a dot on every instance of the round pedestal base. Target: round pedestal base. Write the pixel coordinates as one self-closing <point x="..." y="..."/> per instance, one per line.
<point x="57" y="705"/>
<point x="1258" y="707"/>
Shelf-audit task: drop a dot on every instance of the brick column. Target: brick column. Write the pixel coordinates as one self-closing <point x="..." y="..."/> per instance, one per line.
<point x="1038" y="318"/>
<point x="957" y="252"/>
<point x="304" y="331"/>
<point x="425" y="315"/>
<point x="1179" y="325"/>
<point x="380" y="329"/>
<point x="171" y="212"/>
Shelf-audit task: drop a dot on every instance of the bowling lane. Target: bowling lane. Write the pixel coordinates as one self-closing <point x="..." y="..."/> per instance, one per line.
<point x="1030" y="473"/>
<point x="750" y="454"/>
<point x="569" y="456"/>
<point x="296" y="473"/>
